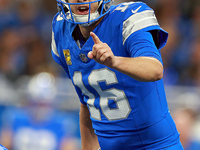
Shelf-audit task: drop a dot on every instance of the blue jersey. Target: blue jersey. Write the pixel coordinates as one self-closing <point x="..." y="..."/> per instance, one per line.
<point x="132" y="113"/>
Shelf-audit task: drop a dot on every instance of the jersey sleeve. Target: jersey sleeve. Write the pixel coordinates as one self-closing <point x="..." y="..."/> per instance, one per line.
<point x="141" y="18"/>
<point x="143" y="45"/>
<point x="55" y="44"/>
<point x="141" y="33"/>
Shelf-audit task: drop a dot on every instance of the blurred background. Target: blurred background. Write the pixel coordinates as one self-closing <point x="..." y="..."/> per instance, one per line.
<point x="39" y="108"/>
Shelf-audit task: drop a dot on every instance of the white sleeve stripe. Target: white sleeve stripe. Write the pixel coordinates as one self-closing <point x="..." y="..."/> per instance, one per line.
<point x="138" y="21"/>
<point x="53" y="45"/>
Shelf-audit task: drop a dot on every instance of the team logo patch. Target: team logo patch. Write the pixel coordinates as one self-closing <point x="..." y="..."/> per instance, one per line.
<point x="83" y="57"/>
<point x="67" y="56"/>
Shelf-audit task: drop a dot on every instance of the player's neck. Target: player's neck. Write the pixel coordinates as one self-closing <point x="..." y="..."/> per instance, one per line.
<point x="85" y="30"/>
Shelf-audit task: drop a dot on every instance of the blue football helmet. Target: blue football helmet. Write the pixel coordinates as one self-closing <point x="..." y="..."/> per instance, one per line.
<point x="65" y="11"/>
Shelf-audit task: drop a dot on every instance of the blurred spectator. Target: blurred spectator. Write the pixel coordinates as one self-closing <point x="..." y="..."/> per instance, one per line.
<point x="182" y="23"/>
<point x="171" y="21"/>
<point x="191" y="75"/>
<point x="37" y="124"/>
<point x="25" y="43"/>
<point x="11" y="54"/>
<point x="7" y="14"/>
<point x="195" y="17"/>
<point x="37" y="56"/>
<point x="47" y="10"/>
<point x="185" y="119"/>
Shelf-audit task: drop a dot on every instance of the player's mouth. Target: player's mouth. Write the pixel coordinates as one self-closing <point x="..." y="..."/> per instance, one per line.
<point x="83" y="10"/>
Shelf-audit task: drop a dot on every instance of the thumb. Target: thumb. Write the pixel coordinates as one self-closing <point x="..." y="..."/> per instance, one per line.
<point x="95" y="38"/>
<point x="90" y="55"/>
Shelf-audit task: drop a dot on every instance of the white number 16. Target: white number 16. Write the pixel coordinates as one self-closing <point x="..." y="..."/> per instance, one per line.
<point x="104" y="75"/>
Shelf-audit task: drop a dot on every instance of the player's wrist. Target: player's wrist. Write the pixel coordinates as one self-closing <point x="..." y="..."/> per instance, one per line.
<point x="116" y="62"/>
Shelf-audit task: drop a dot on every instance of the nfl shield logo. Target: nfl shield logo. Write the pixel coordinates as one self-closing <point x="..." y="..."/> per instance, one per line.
<point x="83" y="57"/>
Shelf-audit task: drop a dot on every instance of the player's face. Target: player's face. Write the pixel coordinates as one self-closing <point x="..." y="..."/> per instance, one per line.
<point x="84" y="8"/>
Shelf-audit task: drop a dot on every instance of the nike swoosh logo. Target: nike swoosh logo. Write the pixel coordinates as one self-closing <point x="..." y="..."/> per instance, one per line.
<point x="136" y="10"/>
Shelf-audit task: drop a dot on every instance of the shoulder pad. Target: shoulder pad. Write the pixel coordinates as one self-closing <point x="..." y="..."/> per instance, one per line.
<point x="127" y="9"/>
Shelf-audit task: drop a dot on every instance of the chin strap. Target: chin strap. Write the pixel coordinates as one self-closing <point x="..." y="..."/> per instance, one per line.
<point x="84" y="18"/>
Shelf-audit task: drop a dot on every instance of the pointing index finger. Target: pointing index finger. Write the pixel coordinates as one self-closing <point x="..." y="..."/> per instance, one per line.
<point x="95" y="38"/>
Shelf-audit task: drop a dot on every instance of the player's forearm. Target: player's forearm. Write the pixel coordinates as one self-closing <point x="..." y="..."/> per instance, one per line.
<point x="88" y="137"/>
<point x="140" y="68"/>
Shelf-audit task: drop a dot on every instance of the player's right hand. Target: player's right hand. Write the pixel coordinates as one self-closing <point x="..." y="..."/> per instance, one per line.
<point x="101" y="52"/>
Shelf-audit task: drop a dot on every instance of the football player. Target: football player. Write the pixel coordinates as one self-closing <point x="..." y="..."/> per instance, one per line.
<point x="112" y="55"/>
